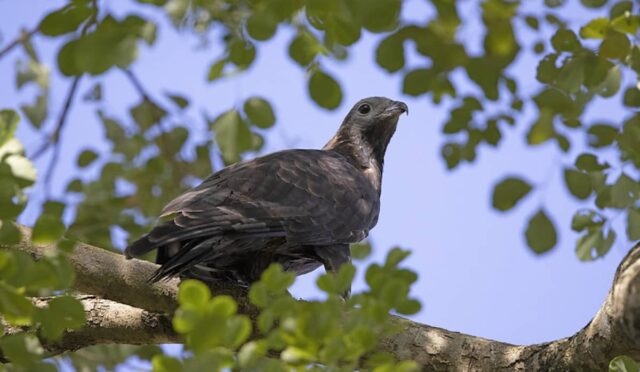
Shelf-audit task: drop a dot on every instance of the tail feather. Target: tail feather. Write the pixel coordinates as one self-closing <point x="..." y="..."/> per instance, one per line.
<point x="139" y="247"/>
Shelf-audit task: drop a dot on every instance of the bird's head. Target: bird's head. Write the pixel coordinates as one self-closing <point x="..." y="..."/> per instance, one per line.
<point x="369" y="126"/>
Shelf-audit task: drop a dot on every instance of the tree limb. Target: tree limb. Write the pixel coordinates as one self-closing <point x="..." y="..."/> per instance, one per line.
<point x="615" y="330"/>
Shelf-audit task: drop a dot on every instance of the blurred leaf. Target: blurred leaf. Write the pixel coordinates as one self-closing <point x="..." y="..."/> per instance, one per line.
<point x="65" y="20"/>
<point x="193" y="293"/>
<point x="541" y="233"/>
<point x="390" y="53"/>
<point x="325" y="90"/>
<point x="623" y="363"/>
<point x="632" y="97"/>
<point x="360" y="251"/>
<point x="86" y="157"/>
<point x="241" y="53"/>
<point x="589" y="162"/>
<point x="611" y="85"/>
<point x="508" y="192"/>
<point x="147" y="113"/>
<point x="24" y="350"/>
<point x="594" y="244"/>
<point x="595" y="29"/>
<point x="626" y="23"/>
<point x="620" y="8"/>
<point x="584" y="219"/>
<point x="565" y="40"/>
<point x="601" y="135"/>
<point x="163" y="363"/>
<point x="49" y="226"/>
<point x="578" y="183"/>
<point x="262" y="25"/>
<point x="180" y="100"/>
<point x="593" y="3"/>
<point x="16" y="309"/>
<point x="216" y="69"/>
<point x="259" y="112"/>
<point x="633" y="224"/>
<point x="624" y="191"/>
<point x="37" y="112"/>
<point x="304" y="48"/>
<point x="12" y="154"/>
<point x="616" y="45"/>
<point x="542" y="130"/>
<point x="64" y="312"/>
<point x="232" y="135"/>
<point x="9" y="120"/>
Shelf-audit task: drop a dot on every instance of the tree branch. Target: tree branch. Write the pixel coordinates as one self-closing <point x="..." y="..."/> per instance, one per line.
<point x="109" y="322"/>
<point x="615" y="330"/>
<point x="24" y="36"/>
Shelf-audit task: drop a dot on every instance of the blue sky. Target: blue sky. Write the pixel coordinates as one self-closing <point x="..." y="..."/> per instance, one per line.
<point x="475" y="273"/>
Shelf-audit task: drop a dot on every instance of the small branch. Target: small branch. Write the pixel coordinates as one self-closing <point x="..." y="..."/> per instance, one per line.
<point x="137" y="84"/>
<point x="55" y="137"/>
<point x="23" y="37"/>
<point x="615" y="330"/>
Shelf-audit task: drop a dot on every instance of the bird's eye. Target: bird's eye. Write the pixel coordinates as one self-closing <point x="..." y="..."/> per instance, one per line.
<point x="364" y="109"/>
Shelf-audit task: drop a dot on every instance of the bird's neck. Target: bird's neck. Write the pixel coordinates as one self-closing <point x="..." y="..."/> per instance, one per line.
<point x="363" y="149"/>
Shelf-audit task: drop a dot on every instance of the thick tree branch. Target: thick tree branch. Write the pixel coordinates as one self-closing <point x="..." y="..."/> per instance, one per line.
<point x="110" y="322"/>
<point x="615" y="329"/>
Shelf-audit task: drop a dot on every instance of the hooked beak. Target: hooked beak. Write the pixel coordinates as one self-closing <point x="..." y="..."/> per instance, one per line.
<point x="397" y="108"/>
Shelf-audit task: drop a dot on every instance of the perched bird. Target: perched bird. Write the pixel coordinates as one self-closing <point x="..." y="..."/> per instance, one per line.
<point x="300" y="208"/>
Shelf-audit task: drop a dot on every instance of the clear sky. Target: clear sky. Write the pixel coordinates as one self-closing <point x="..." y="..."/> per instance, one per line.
<point x="476" y="274"/>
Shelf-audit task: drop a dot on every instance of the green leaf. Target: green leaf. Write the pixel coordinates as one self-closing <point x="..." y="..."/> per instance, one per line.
<point x="360" y="251"/>
<point x="216" y="69"/>
<point x="146" y="114"/>
<point x="594" y="244"/>
<point x="589" y="163"/>
<point x="616" y="45"/>
<point x="578" y="183"/>
<point x="180" y="100"/>
<point x="602" y="135"/>
<point x="36" y="113"/>
<point x="325" y="90"/>
<point x="276" y="280"/>
<point x="508" y="192"/>
<point x="632" y="97"/>
<point x="163" y="363"/>
<point x="49" y="226"/>
<point x="304" y="48"/>
<point x="9" y="120"/>
<point x="390" y="53"/>
<point x="259" y="112"/>
<point x="232" y="136"/>
<point x="63" y="312"/>
<point x="623" y="363"/>
<point x="65" y="20"/>
<point x="241" y="53"/>
<point x="624" y="191"/>
<point x="593" y="3"/>
<point x="15" y="308"/>
<point x="542" y="129"/>
<point x="24" y="350"/>
<point x="262" y="25"/>
<point x="417" y="82"/>
<point x="626" y="23"/>
<point x="86" y="157"/>
<point x="611" y="84"/>
<point x="620" y="8"/>
<point x="193" y="293"/>
<point x="584" y="219"/>
<point x="541" y="233"/>
<point x="633" y="223"/>
<point x="571" y="75"/>
<point x="565" y="40"/>
<point x="595" y="29"/>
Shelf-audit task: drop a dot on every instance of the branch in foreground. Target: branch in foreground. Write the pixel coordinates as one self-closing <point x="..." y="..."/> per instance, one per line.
<point x="615" y="330"/>
<point x="109" y="322"/>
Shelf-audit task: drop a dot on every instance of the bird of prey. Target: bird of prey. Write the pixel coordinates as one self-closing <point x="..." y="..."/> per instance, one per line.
<point x="299" y="208"/>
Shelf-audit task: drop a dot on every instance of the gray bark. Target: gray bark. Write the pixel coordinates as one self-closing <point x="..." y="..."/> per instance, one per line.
<point x="125" y="308"/>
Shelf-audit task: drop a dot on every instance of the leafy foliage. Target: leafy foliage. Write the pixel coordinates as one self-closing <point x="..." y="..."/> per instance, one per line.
<point x="295" y="334"/>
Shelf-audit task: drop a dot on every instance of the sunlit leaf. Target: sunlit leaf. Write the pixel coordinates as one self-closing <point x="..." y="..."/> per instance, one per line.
<point x="325" y="90"/>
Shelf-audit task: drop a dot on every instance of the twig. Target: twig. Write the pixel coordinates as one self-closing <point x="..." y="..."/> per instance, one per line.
<point x="24" y="36"/>
<point x="55" y="137"/>
<point x="136" y="84"/>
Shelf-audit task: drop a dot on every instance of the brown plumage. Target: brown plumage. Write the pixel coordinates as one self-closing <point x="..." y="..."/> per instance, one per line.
<point x="300" y="208"/>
